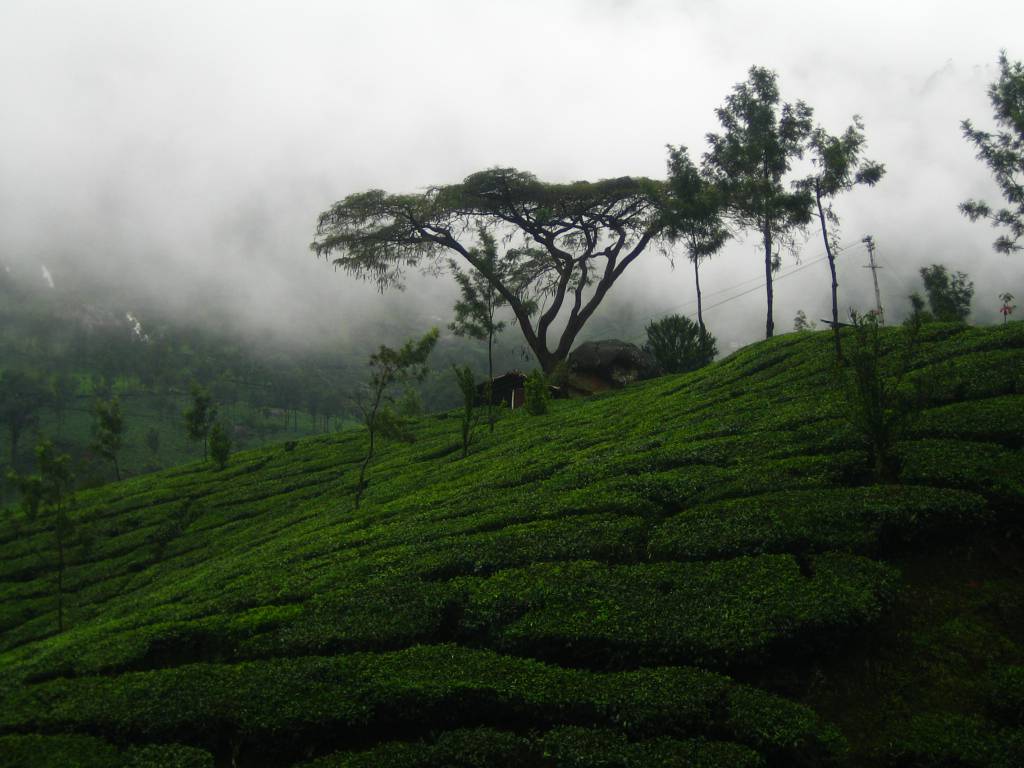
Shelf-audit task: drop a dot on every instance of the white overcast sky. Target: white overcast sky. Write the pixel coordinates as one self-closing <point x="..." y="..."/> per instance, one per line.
<point x="189" y="146"/>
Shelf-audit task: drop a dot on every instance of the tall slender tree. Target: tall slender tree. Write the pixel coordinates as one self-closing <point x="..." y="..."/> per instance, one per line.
<point x="479" y="302"/>
<point x="749" y="161"/>
<point x="838" y="167"/>
<point x="694" y="211"/>
<point x="389" y="367"/>
<point x="109" y="431"/>
<point x="200" y="416"/>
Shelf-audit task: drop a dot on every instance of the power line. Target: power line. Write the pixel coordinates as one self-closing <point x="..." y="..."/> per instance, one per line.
<point x="848" y="247"/>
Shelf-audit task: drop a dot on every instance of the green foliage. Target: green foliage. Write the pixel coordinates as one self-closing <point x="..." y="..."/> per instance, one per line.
<point x="659" y="613"/>
<point x="220" y="444"/>
<point x="937" y="740"/>
<point x="1007" y="697"/>
<point x="109" y="431"/>
<point x="535" y="391"/>
<point x="73" y="751"/>
<point x="679" y="344"/>
<point x="566" y="746"/>
<point x="388" y="368"/>
<point x="1003" y="153"/>
<point x="949" y="296"/>
<point x="479" y="298"/>
<point x="869" y="520"/>
<point x="478" y="304"/>
<point x="467" y="386"/>
<point x="878" y="408"/>
<point x="360" y="692"/>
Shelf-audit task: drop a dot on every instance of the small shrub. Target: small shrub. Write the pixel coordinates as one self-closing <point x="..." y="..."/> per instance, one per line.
<point x="535" y="391"/>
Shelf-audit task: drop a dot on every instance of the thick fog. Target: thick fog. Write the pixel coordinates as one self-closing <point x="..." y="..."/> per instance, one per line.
<point x="184" y="149"/>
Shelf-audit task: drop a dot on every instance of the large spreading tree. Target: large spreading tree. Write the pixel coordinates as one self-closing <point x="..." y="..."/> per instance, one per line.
<point x="565" y="245"/>
<point x="1003" y="153"/>
<point x="750" y="159"/>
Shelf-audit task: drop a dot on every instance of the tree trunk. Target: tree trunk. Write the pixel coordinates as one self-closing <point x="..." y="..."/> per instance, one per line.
<point x="362" y="469"/>
<point x="835" y="282"/>
<point x="696" y="279"/>
<point x="766" y="232"/>
<point x="371" y="423"/>
<point x="60" y="582"/>
<point x="489" y="389"/>
<point x="117" y="468"/>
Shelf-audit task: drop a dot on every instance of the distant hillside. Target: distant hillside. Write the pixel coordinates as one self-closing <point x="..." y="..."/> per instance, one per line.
<point x="83" y="343"/>
<point x="696" y="571"/>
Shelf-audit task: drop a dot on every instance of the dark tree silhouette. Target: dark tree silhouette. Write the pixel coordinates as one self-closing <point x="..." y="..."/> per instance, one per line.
<point x="949" y="295"/>
<point x="1003" y="153"/>
<point x="200" y="416"/>
<point x="109" y="431"/>
<point x="21" y="396"/>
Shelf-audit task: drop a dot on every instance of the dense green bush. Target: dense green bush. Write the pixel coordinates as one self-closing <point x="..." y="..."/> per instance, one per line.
<point x="939" y="740"/>
<point x="679" y="344"/>
<point x="321" y="698"/>
<point x="867" y="519"/>
<point x="535" y="392"/>
<point x="1007" y="697"/>
<point x="72" y="751"/>
<point x="598" y="615"/>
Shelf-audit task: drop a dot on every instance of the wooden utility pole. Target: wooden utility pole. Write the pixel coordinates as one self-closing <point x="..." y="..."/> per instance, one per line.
<point x="870" y="243"/>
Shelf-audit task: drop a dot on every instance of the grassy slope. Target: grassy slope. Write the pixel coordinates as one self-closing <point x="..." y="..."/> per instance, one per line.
<point x="695" y="571"/>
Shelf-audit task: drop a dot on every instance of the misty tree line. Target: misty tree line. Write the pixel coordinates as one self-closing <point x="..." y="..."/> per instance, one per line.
<point x="770" y="170"/>
<point x="65" y="363"/>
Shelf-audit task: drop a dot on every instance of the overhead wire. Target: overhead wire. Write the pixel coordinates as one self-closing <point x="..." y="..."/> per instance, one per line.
<point x="848" y="247"/>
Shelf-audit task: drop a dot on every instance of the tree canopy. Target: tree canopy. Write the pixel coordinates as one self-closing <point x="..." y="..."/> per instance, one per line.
<point x="1003" y="153"/>
<point x="565" y="244"/>
<point x="750" y="158"/>
<point x="694" y="212"/>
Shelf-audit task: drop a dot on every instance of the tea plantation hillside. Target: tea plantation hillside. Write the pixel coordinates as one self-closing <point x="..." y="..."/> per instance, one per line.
<point x="696" y="571"/>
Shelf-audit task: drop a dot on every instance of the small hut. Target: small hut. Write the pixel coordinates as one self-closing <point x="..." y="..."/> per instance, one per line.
<point x="510" y="389"/>
<point x="507" y="389"/>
